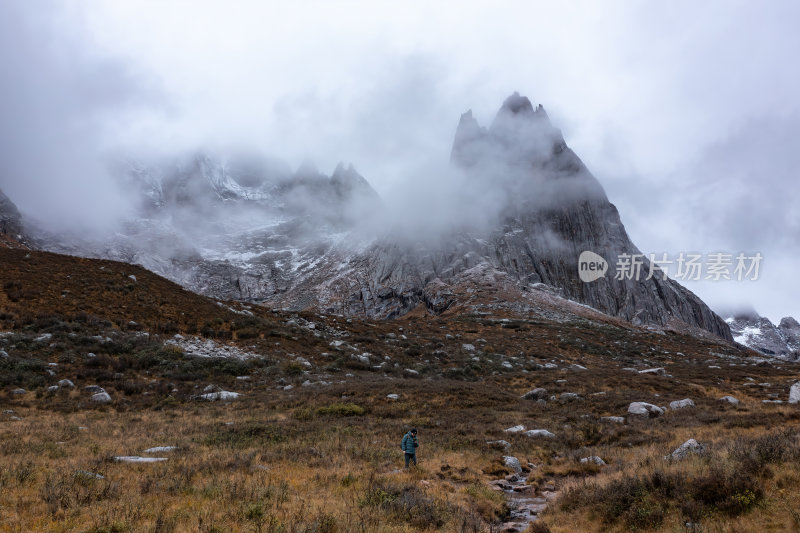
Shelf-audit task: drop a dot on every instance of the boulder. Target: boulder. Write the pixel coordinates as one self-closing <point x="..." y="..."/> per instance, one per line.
<point x="512" y="463"/>
<point x="681" y="404"/>
<point x="515" y="429"/>
<point x="684" y="450"/>
<point x="657" y="371"/>
<point x="101" y="397"/>
<point x="65" y="383"/>
<point x="93" y="389"/>
<point x="499" y="444"/>
<point x="535" y="394"/>
<point x="613" y="419"/>
<point x="730" y="399"/>
<point x="593" y="459"/>
<point x="540" y="433"/>
<point x="645" y="409"/>
<point x="794" y="393"/>
<point x="220" y="395"/>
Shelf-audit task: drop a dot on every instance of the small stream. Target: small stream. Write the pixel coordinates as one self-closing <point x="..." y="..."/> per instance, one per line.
<point x="524" y="500"/>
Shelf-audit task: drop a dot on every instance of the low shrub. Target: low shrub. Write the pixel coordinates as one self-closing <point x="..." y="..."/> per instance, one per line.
<point x="341" y="409"/>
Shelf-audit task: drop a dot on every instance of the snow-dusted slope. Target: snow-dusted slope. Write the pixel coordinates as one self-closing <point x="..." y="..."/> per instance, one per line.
<point x="760" y="334"/>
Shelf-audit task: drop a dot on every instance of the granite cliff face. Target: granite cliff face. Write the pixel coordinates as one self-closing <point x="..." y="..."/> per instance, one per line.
<point x="523" y="208"/>
<point x="551" y="210"/>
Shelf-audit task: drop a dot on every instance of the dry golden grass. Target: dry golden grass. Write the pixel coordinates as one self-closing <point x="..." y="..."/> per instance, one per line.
<point x="326" y="457"/>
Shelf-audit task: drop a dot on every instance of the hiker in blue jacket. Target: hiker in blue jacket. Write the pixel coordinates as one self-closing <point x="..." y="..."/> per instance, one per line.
<point x="409" y="446"/>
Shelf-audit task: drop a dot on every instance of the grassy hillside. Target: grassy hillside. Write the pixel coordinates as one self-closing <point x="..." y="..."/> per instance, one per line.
<point x="312" y="442"/>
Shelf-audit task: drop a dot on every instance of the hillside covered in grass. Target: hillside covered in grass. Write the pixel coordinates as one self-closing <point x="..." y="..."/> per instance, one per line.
<point x="307" y="435"/>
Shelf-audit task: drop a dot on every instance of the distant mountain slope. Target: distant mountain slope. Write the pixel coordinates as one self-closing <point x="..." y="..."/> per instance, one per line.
<point x="759" y="333"/>
<point x="40" y="283"/>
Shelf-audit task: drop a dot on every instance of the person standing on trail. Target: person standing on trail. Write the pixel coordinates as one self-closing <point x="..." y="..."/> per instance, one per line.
<point x="409" y="446"/>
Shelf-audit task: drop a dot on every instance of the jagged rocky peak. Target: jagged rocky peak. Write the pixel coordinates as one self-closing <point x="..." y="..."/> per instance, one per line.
<point x="347" y="182"/>
<point x="547" y="209"/>
<point x="759" y="333"/>
<point x="520" y="106"/>
<point x="10" y="218"/>
<point x="524" y="155"/>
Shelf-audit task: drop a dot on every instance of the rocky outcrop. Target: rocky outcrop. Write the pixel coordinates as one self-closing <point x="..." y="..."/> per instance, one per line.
<point x="759" y="333"/>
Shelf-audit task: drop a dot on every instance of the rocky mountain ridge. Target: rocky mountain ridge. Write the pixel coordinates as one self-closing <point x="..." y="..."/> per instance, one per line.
<point x="759" y="333"/>
<point x="525" y="207"/>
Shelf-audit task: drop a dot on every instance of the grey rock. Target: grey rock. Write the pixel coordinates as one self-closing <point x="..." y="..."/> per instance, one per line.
<point x="691" y="446"/>
<point x="499" y="443"/>
<point x="101" y="397"/>
<point x="515" y="429"/>
<point x="220" y="395"/>
<point x="538" y="393"/>
<point x="657" y="371"/>
<point x="3" y="354"/>
<point x="593" y="459"/>
<point x="65" y="383"/>
<point x="94" y="389"/>
<point x="613" y="419"/>
<point x="681" y="404"/>
<point x="52" y="388"/>
<point x="512" y="463"/>
<point x="539" y="433"/>
<point x="794" y="393"/>
<point x="569" y="396"/>
<point x="730" y="399"/>
<point x="645" y="409"/>
<point x="19" y="391"/>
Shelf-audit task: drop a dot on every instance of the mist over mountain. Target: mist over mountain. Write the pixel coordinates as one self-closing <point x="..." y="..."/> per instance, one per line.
<point x="515" y="204"/>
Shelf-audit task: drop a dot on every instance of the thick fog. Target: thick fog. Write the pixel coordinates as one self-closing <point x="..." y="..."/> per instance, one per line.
<point x="687" y="114"/>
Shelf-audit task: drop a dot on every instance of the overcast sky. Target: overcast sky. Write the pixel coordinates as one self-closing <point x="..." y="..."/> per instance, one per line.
<point x="688" y="113"/>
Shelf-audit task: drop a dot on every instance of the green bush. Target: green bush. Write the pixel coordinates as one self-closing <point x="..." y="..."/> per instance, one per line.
<point x="341" y="409"/>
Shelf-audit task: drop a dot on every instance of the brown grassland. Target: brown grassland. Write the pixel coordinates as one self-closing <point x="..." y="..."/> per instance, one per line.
<point x="324" y="455"/>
